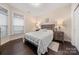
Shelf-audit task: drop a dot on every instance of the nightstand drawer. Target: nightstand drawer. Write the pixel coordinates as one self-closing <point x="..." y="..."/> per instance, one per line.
<point x="61" y="34"/>
<point x="58" y="35"/>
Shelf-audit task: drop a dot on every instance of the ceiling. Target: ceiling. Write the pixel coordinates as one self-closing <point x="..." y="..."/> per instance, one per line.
<point x="42" y="9"/>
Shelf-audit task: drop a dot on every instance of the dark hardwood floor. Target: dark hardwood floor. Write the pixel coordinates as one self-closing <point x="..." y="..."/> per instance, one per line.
<point x="17" y="47"/>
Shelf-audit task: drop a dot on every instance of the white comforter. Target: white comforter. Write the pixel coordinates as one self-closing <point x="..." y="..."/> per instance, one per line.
<point x="41" y="38"/>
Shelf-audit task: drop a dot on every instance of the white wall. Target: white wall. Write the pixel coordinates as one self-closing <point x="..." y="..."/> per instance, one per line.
<point x="75" y="26"/>
<point x="63" y="13"/>
<point x="73" y="22"/>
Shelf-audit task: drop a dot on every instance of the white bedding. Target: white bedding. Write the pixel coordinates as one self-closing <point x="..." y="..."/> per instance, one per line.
<point x="41" y="38"/>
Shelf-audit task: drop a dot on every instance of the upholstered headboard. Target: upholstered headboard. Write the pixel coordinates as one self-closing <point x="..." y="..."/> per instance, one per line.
<point x="48" y="26"/>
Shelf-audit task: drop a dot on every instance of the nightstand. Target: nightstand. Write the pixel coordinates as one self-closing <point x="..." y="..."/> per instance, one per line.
<point x="59" y="36"/>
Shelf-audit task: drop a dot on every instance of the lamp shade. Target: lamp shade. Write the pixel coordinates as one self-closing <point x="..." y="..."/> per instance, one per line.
<point x="59" y="24"/>
<point x="38" y="23"/>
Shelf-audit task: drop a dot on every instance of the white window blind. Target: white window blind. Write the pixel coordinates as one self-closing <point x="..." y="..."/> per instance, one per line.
<point x="3" y="22"/>
<point x="18" y="24"/>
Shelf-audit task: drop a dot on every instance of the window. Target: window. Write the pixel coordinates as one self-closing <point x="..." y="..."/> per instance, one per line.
<point x="18" y="24"/>
<point x="3" y="22"/>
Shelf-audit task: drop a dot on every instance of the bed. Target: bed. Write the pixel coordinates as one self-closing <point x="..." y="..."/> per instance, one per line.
<point x="41" y="39"/>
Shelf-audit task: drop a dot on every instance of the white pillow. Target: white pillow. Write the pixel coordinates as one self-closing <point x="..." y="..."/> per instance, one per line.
<point x="43" y="30"/>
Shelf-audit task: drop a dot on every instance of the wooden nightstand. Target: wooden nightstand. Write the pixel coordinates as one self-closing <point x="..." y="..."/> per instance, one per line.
<point x="59" y="36"/>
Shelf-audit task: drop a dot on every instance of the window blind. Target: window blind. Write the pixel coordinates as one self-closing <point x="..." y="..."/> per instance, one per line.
<point x="18" y="24"/>
<point x="3" y="22"/>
